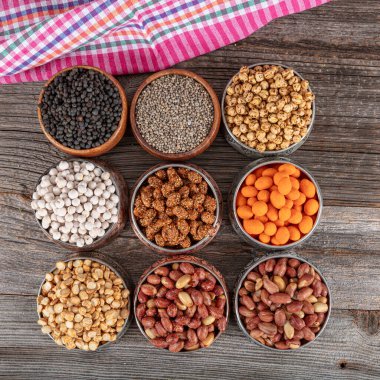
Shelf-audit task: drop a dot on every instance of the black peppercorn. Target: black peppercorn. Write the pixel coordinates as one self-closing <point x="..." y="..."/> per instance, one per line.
<point x="81" y="108"/>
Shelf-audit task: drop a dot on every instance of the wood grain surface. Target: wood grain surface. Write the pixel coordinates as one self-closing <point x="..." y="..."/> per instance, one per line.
<point x="337" y="48"/>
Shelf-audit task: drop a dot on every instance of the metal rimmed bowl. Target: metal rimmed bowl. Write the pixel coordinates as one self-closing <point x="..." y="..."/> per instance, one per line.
<point x="251" y="152"/>
<point x="214" y="128"/>
<point x="197" y="262"/>
<point x="213" y="189"/>
<point x="114" y="138"/>
<point x="235" y="187"/>
<point x="254" y="264"/>
<point x="115" y="229"/>
<point x="114" y="267"/>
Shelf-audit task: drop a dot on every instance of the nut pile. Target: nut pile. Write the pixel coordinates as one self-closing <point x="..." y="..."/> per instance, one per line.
<point x="283" y="303"/>
<point x="268" y="107"/>
<point x="81" y="108"/>
<point x="174" y="209"/>
<point x="277" y="204"/>
<point x="181" y="307"/>
<point x="174" y="113"/>
<point x="76" y="202"/>
<point x="83" y="304"/>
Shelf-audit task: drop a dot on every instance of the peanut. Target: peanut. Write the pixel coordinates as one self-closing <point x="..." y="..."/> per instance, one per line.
<point x="186" y="312"/>
<point x="289" y="317"/>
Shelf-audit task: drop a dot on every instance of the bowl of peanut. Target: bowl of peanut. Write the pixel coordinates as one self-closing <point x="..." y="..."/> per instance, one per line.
<point x="175" y="208"/>
<point x="84" y="302"/>
<point x="282" y="302"/>
<point x="268" y="110"/>
<point x="181" y="304"/>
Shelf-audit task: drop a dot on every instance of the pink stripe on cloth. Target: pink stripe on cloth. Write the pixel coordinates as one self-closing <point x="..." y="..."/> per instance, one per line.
<point x="177" y="31"/>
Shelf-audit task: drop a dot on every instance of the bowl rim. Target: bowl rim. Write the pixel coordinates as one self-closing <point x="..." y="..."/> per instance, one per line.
<point x="252" y="265"/>
<point x="121" y="192"/>
<point x="213" y="188"/>
<point x="119" y="271"/>
<point x="114" y="138"/>
<point x="200" y="262"/>
<point x="292" y="148"/>
<point x="208" y="140"/>
<point x="267" y="161"/>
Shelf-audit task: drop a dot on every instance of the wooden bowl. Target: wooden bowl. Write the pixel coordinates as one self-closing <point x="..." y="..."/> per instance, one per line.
<point x="115" y="229"/>
<point x="111" y="142"/>
<point x="198" y="149"/>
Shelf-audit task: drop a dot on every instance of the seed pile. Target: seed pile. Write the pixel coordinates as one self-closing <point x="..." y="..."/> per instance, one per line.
<point x="181" y="307"/>
<point x="174" y="208"/>
<point x="83" y="304"/>
<point x="76" y="202"/>
<point x="283" y="303"/>
<point x="174" y="114"/>
<point x="268" y="107"/>
<point x="81" y="108"/>
<point x="277" y="204"/>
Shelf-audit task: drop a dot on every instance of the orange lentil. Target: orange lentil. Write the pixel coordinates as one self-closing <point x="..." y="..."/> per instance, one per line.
<point x="264" y="238"/>
<point x="306" y="224"/>
<point x="307" y="187"/>
<point x="300" y="201"/>
<point x="274" y="241"/>
<point x="248" y="191"/>
<point x="251" y="201"/>
<point x="272" y="213"/>
<point x="294" y="233"/>
<point x="295" y="217"/>
<point x="293" y="195"/>
<point x="263" y="183"/>
<point x="279" y="223"/>
<point x="250" y="180"/>
<point x="240" y="200"/>
<point x="297" y="173"/>
<point x="270" y="172"/>
<point x="311" y="207"/>
<point x="287" y="168"/>
<point x="270" y="228"/>
<point x="289" y="203"/>
<point x="259" y="171"/>
<point x="263" y="195"/>
<point x="284" y="186"/>
<point x="244" y="212"/>
<point x="278" y="176"/>
<point x="282" y="235"/>
<point x="273" y="188"/>
<point x="284" y="214"/>
<point x="259" y="208"/>
<point x="277" y="199"/>
<point x="253" y="226"/>
<point x="263" y="218"/>
<point x="295" y="183"/>
<point x="298" y="208"/>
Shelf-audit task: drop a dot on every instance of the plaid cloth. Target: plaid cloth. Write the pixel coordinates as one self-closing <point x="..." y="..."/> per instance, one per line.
<point x="40" y="37"/>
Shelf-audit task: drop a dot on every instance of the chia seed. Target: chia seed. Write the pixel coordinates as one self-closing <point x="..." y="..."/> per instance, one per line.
<point x="81" y="108"/>
<point x="174" y="114"/>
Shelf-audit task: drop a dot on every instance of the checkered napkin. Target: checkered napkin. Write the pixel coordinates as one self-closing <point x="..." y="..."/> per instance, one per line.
<point x="39" y="38"/>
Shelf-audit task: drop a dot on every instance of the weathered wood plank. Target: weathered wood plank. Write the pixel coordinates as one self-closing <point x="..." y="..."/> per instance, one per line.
<point x="346" y="350"/>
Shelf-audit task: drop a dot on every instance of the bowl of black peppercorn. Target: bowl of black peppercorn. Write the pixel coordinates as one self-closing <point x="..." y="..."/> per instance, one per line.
<point x="82" y="111"/>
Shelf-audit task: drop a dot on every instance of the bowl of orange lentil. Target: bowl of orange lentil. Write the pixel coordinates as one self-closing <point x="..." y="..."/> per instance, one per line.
<point x="275" y="204"/>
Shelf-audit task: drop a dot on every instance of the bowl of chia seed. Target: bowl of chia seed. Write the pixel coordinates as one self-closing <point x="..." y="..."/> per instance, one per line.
<point x="175" y="115"/>
<point x="82" y="111"/>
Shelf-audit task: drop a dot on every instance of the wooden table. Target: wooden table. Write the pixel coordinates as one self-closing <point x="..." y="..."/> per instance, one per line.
<point x="337" y="48"/>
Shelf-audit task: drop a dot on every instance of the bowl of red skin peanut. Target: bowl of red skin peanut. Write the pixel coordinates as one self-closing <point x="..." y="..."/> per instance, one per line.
<point x="271" y="212"/>
<point x="181" y="304"/>
<point x="282" y="302"/>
